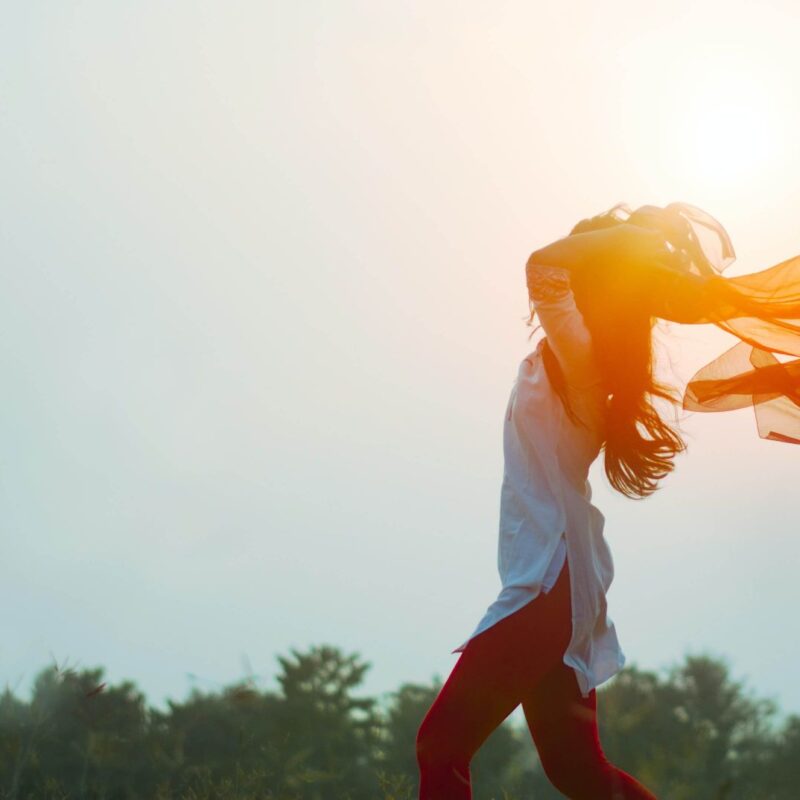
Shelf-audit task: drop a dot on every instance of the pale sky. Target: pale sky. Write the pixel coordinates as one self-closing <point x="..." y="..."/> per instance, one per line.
<point x="263" y="303"/>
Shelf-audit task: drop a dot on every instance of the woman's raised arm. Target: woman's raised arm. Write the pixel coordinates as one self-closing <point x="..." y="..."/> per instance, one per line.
<point x="553" y="301"/>
<point x="619" y="247"/>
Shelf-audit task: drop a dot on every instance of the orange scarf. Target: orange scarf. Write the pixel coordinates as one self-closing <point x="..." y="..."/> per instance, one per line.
<point x="762" y="309"/>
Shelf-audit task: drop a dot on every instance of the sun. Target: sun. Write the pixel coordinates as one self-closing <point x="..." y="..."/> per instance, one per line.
<point x="716" y="125"/>
<point x="729" y="130"/>
<point x="732" y="122"/>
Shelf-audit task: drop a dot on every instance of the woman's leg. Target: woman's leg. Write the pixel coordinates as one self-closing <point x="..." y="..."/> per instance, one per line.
<point x="496" y="670"/>
<point x="563" y="725"/>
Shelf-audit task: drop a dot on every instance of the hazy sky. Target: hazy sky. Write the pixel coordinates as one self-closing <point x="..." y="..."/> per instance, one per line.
<point x="263" y="302"/>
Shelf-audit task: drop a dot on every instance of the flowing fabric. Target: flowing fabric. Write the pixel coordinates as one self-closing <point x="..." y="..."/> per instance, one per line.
<point x="762" y="309"/>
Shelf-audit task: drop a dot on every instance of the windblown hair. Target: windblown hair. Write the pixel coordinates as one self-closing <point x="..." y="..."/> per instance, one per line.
<point x="639" y="446"/>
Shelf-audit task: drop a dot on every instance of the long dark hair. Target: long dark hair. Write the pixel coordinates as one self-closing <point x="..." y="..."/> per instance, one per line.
<point x="639" y="446"/>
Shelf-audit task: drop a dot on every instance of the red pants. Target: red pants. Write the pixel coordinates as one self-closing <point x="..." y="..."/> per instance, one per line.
<point x="519" y="660"/>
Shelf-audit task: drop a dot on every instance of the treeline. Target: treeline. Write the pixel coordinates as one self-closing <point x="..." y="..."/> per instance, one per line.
<point x="693" y="734"/>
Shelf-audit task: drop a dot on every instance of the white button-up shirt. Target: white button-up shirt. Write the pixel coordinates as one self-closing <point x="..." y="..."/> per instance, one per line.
<point x="546" y="497"/>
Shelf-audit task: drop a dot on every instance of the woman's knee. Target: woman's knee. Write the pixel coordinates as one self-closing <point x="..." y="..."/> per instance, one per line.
<point x="579" y="780"/>
<point x="422" y="746"/>
<point x="435" y="747"/>
<point x="428" y="744"/>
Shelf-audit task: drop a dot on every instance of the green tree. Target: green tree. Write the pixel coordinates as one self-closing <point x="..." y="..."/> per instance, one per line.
<point x="77" y="734"/>
<point x="329" y="738"/>
<point x="691" y="735"/>
<point x="404" y="713"/>
<point x="213" y="737"/>
<point x="775" y="770"/>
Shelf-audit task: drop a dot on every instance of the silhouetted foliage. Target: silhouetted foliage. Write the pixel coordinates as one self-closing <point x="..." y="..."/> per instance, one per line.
<point x="693" y="733"/>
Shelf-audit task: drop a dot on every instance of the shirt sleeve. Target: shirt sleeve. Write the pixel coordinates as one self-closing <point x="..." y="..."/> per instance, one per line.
<point x="550" y="290"/>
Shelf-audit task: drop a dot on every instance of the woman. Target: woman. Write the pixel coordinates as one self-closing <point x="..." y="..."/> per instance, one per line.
<point x="547" y="642"/>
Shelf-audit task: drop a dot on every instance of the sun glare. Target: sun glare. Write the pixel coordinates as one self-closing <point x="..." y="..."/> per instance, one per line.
<point x="739" y="113"/>
<point x="709" y="125"/>
<point x="730" y="133"/>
